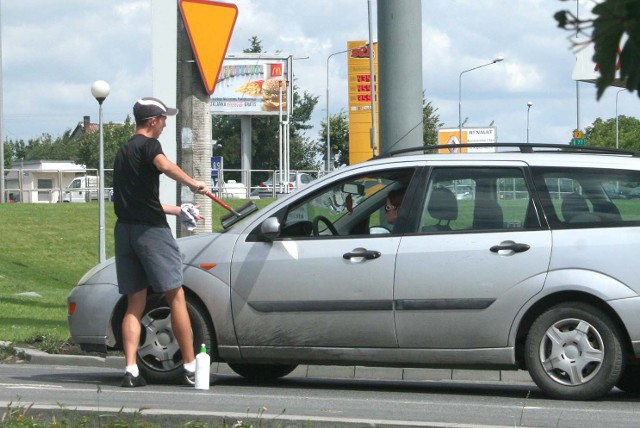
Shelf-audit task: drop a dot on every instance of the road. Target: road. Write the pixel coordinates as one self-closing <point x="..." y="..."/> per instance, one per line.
<point x="325" y="402"/>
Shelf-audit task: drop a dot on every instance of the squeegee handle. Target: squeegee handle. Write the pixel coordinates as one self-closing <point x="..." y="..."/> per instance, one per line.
<point x="221" y="203"/>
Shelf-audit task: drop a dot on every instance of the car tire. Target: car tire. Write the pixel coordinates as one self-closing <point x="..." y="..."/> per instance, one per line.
<point x="574" y="352"/>
<point x="259" y="373"/>
<point x="159" y="357"/>
<point x="630" y="380"/>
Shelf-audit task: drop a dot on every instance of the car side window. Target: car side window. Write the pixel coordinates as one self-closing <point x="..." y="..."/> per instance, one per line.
<point x="477" y="199"/>
<point x="587" y="197"/>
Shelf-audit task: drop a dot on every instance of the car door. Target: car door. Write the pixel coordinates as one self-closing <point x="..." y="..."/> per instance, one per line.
<point x="480" y="253"/>
<point x="303" y="290"/>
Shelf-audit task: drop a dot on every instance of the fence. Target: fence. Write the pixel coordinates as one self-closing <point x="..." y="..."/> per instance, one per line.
<point x="51" y="186"/>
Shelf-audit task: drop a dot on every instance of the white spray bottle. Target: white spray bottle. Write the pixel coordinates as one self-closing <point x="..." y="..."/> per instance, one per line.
<point x="203" y="367"/>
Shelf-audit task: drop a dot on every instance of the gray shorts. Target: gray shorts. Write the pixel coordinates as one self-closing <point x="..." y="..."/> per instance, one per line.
<point x="146" y="256"/>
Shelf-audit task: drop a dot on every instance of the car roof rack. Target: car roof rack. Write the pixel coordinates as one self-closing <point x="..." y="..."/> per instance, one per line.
<point x="521" y="147"/>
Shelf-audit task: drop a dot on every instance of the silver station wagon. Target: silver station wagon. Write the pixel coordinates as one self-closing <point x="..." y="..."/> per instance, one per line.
<point x="524" y="258"/>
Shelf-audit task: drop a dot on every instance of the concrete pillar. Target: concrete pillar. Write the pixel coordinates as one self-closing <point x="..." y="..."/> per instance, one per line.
<point x="194" y="123"/>
<point x="400" y="74"/>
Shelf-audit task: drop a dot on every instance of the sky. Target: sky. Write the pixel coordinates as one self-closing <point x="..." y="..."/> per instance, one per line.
<point x="52" y="51"/>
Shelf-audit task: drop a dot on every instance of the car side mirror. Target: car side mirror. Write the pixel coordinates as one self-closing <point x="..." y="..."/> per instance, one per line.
<point x="270" y="228"/>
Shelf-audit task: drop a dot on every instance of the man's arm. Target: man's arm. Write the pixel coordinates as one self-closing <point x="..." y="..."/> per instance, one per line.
<point x="172" y="170"/>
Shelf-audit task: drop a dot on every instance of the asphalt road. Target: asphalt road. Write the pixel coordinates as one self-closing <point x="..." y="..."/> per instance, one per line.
<point x="324" y="402"/>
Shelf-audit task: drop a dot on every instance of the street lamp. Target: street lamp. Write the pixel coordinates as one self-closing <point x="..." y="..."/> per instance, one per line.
<point x="617" y="131"/>
<point x="328" y="117"/>
<point x="497" y="59"/>
<point x="100" y="91"/>
<point x="529" y="104"/>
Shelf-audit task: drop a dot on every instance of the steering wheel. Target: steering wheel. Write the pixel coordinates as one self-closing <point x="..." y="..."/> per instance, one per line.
<point x="327" y="222"/>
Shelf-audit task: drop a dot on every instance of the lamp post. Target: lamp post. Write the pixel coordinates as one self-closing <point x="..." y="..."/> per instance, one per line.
<point x="100" y="91"/>
<point x="328" y="117"/>
<point x="529" y="104"/>
<point x="617" y="131"/>
<point x="497" y="59"/>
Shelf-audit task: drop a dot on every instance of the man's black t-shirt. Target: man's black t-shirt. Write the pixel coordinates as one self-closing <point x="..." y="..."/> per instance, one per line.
<point x="136" y="182"/>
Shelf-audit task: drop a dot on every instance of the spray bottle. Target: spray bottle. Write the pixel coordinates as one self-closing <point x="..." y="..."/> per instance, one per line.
<point x="203" y="366"/>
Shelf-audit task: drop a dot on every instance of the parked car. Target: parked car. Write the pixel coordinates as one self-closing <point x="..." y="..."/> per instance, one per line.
<point x="543" y="281"/>
<point x="296" y="180"/>
<point x="82" y="189"/>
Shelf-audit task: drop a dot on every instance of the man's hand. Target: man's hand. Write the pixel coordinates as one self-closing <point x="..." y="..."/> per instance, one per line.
<point x="188" y="215"/>
<point x="199" y="187"/>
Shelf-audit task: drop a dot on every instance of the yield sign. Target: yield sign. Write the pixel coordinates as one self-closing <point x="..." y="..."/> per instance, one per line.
<point x="209" y="25"/>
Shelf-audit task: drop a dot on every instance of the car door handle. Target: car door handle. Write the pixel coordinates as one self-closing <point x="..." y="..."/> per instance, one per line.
<point x="515" y="247"/>
<point x="369" y="255"/>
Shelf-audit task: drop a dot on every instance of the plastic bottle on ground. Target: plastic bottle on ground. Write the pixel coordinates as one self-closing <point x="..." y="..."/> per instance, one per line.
<point x="203" y="368"/>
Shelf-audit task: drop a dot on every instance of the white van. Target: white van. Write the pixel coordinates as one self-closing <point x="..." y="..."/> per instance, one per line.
<point x="82" y="189"/>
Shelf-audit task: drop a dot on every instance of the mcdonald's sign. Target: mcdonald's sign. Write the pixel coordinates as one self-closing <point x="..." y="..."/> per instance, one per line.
<point x="276" y="70"/>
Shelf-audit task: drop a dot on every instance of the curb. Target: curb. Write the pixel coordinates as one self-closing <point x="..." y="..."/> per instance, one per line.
<point x="34" y="356"/>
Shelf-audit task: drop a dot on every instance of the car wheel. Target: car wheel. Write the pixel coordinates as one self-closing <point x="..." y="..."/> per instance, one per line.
<point x="574" y="352"/>
<point x="630" y="380"/>
<point x="262" y="372"/>
<point x="159" y="356"/>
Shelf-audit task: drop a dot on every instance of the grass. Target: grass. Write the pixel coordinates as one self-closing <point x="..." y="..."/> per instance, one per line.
<point x="18" y="415"/>
<point x="46" y="248"/>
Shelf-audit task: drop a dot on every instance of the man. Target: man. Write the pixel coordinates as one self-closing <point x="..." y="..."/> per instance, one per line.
<point x="147" y="254"/>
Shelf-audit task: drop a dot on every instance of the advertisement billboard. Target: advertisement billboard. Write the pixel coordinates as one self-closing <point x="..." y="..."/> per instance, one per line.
<point x="252" y="84"/>
<point x="450" y="136"/>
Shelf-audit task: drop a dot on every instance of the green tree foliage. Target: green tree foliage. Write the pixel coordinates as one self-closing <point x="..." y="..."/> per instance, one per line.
<point x="87" y="145"/>
<point x="255" y="45"/>
<point x="614" y="19"/>
<point x="339" y="140"/>
<point x="82" y="150"/>
<point x="602" y="133"/>
<point x="8" y="154"/>
<point x="430" y="123"/>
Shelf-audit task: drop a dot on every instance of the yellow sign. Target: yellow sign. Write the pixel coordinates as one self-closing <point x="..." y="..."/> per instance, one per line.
<point x="578" y="134"/>
<point x="360" y="86"/>
<point x="209" y="25"/>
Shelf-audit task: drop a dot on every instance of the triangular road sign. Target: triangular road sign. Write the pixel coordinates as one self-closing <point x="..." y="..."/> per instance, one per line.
<point x="209" y="25"/>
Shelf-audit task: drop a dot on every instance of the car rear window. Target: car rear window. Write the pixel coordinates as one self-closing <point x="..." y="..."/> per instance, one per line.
<point x="589" y="197"/>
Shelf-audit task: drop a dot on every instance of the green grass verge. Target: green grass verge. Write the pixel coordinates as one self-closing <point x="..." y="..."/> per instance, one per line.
<point x="46" y="248"/>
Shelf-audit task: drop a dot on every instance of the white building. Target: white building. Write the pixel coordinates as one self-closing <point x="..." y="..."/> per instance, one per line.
<point x="40" y="181"/>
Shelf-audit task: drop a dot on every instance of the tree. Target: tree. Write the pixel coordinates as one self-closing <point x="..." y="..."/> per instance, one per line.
<point x="339" y="140"/>
<point x="82" y="150"/>
<point x="8" y="154"/>
<point x="86" y="146"/>
<point x="430" y="123"/>
<point x="614" y="19"/>
<point x="255" y="45"/>
<point x="602" y="133"/>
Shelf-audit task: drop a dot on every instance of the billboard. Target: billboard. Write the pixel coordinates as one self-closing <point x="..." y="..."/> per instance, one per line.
<point x="360" y="81"/>
<point x="469" y="136"/>
<point x="252" y="84"/>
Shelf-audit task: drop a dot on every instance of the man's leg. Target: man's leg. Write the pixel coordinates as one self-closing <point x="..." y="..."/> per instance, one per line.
<point x="131" y="327"/>
<point x="181" y="323"/>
